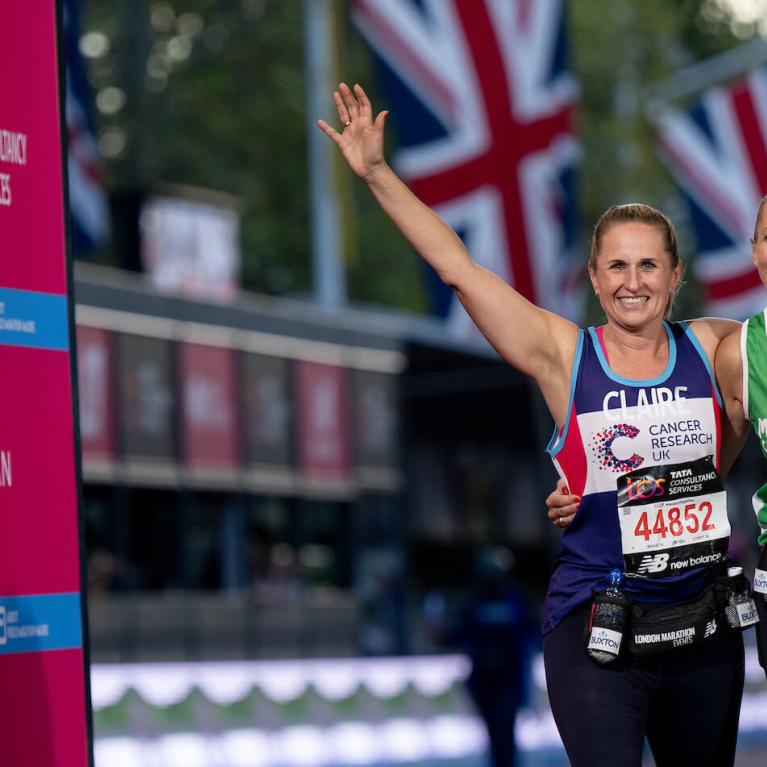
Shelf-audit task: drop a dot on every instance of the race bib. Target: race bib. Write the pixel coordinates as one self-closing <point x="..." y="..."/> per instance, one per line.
<point x="673" y="518"/>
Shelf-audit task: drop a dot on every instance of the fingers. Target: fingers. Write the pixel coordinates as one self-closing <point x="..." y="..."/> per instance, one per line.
<point x="366" y="109"/>
<point x="354" y="105"/>
<point x="561" y="505"/>
<point x="567" y="510"/>
<point x="380" y="120"/>
<point x="557" y="500"/>
<point x="329" y="131"/>
<point x="343" y="111"/>
<point x="564" y="522"/>
<point x="351" y="102"/>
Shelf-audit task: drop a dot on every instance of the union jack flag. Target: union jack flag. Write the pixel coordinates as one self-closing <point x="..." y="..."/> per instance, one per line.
<point x="717" y="152"/>
<point x="483" y="103"/>
<point x="88" y="206"/>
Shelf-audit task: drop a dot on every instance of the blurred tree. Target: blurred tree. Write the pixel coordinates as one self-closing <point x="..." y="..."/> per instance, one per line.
<point x="211" y="93"/>
<point x="619" y="49"/>
<point x="213" y="98"/>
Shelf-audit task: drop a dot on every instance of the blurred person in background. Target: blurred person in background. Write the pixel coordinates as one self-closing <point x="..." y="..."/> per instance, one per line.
<point x="107" y="571"/>
<point x="495" y="628"/>
<point x="381" y="592"/>
<point x="274" y="570"/>
<point x="687" y="702"/>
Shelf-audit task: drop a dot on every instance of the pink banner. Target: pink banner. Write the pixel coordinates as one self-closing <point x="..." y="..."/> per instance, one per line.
<point x="94" y="372"/>
<point x="43" y="716"/>
<point x="37" y="487"/>
<point x="322" y="427"/>
<point x="30" y="152"/>
<point x="208" y="406"/>
<point x="43" y="720"/>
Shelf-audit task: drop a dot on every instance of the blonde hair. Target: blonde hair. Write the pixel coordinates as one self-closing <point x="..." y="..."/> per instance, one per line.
<point x="762" y="203"/>
<point x="634" y="212"/>
<point x="638" y="212"/>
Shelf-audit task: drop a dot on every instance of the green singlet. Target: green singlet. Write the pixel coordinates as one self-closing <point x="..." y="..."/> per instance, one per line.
<point x="753" y="353"/>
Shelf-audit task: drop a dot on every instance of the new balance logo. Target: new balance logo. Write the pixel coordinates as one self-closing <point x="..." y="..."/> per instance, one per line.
<point x="653" y="563"/>
<point x="710" y="629"/>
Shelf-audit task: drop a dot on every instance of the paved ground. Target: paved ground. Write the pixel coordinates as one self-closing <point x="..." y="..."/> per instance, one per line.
<point x="745" y="758"/>
<point x="749" y="755"/>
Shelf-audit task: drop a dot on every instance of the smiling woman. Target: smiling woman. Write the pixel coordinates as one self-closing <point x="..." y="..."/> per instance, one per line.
<point x="590" y="379"/>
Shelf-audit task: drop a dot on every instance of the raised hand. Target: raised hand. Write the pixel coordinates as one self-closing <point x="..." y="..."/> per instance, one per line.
<point x="361" y="140"/>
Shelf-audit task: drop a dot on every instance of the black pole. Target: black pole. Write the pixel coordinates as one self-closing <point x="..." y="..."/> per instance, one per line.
<point x="68" y="255"/>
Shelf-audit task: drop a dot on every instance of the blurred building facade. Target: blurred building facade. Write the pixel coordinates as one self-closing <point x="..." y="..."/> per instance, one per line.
<point x="266" y="479"/>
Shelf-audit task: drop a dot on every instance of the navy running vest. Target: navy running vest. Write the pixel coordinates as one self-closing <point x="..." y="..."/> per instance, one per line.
<point x="614" y="426"/>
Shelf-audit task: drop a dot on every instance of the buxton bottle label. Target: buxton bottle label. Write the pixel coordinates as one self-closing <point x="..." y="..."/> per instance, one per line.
<point x="747" y="613"/>
<point x="606" y="640"/>
<point x="760" y="581"/>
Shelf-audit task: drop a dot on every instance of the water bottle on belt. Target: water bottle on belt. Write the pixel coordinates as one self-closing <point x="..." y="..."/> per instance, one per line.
<point x="760" y="575"/>
<point x="607" y="622"/>
<point x="740" y="609"/>
<point x="760" y="597"/>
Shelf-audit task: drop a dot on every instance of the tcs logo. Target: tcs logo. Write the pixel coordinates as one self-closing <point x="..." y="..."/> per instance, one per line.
<point x="646" y="487"/>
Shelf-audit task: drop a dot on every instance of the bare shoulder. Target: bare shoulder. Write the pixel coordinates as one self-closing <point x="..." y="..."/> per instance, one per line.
<point x="711" y="331"/>
<point x="728" y="361"/>
<point x="713" y="328"/>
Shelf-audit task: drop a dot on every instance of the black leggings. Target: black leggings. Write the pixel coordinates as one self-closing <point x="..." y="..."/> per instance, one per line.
<point x="687" y="704"/>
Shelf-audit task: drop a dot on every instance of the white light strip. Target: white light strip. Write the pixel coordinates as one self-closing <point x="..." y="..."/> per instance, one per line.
<point x="347" y="744"/>
<point x="352" y="744"/>
<point x="226" y="682"/>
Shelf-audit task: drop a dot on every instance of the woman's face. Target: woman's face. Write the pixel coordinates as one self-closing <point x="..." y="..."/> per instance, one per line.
<point x="633" y="278"/>
<point x="759" y="246"/>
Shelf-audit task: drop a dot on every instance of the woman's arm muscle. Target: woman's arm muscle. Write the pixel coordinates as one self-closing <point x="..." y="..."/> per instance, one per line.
<point x="538" y="343"/>
<point x="729" y="376"/>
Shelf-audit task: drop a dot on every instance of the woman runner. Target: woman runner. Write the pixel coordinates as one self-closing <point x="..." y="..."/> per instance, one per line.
<point x="637" y="379"/>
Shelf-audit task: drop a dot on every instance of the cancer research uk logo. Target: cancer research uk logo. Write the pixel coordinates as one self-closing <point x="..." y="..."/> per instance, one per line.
<point x="602" y="447"/>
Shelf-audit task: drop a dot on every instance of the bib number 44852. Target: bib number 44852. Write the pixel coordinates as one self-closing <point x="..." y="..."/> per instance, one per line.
<point x="675" y="521"/>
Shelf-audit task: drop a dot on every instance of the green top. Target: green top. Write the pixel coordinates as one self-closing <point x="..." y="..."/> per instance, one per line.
<point x="753" y="352"/>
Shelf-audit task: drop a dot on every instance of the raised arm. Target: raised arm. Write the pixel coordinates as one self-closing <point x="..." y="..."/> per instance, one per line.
<point x="536" y="342"/>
